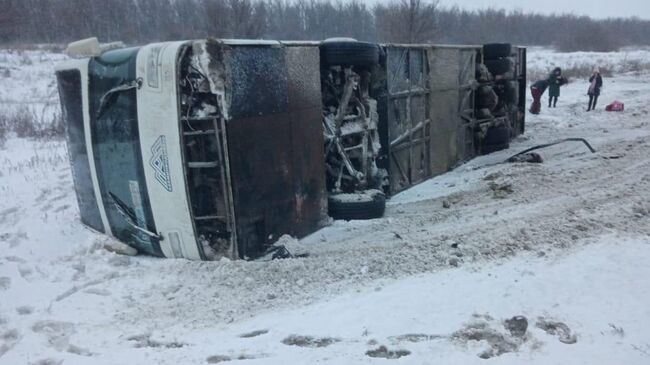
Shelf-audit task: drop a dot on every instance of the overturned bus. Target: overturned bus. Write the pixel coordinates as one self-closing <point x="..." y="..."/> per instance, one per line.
<point x="215" y="148"/>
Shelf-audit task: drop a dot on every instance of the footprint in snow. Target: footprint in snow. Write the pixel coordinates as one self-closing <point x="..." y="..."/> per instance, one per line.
<point x="215" y="359"/>
<point x="145" y="340"/>
<point x="309" y="341"/>
<point x="559" y="329"/>
<point x="8" y="213"/>
<point x="42" y="196"/>
<point x="25" y="272"/>
<point x="15" y="259"/>
<point x="15" y="239"/>
<point x="58" y="197"/>
<point x="57" y="333"/>
<point x="499" y="342"/>
<point x="61" y="208"/>
<point x="98" y="291"/>
<point x="5" y="283"/>
<point x="79" y="351"/>
<point x="48" y="361"/>
<point x="8" y="339"/>
<point x="254" y="333"/>
<point x="25" y="310"/>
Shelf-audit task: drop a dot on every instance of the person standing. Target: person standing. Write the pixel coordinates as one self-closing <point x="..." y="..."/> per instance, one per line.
<point x="595" y="83"/>
<point x="537" y="90"/>
<point x="555" y="80"/>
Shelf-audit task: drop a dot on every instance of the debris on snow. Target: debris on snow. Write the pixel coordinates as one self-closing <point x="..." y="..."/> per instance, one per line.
<point x="384" y="353"/>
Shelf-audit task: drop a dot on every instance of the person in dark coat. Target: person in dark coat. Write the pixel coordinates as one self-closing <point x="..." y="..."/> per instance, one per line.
<point x="555" y="80"/>
<point x="595" y="83"/>
<point x="537" y="90"/>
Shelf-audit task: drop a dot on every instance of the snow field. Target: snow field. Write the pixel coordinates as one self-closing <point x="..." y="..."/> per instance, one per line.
<point x="563" y="242"/>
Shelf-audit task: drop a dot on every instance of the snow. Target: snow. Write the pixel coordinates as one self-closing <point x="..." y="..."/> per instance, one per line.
<point x="28" y="81"/>
<point x="564" y="241"/>
<point x="629" y="60"/>
<point x="602" y="315"/>
<point x="546" y="58"/>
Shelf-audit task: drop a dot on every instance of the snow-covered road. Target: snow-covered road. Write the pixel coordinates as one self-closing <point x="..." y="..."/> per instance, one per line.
<point x="566" y="241"/>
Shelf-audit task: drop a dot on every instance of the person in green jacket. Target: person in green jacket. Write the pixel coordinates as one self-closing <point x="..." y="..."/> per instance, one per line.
<point x="555" y="80"/>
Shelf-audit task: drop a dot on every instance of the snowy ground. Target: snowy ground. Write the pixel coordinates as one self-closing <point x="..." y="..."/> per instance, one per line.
<point x="580" y="64"/>
<point x="28" y="81"/>
<point x="565" y="243"/>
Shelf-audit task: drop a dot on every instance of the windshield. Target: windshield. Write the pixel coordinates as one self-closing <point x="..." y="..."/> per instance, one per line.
<point x="116" y="146"/>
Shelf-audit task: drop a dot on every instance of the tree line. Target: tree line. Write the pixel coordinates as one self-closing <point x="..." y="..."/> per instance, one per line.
<point x="142" y="21"/>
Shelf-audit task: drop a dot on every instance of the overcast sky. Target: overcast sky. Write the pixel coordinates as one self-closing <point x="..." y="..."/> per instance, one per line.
<point x="593" y="8"/>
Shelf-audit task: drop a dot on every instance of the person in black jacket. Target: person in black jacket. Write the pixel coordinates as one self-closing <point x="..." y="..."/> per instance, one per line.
<point x="555" y="80"/>
<point x="595" y="83"/>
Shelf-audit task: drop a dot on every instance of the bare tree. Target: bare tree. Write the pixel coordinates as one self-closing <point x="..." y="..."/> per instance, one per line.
<point x="407" y="21"/>
<point x="285" y="19"/>
<point x="247" y="18"/>
<point x="215" y="14"/>
<point x="589" y="36"/>
<point x="9" y="20"/>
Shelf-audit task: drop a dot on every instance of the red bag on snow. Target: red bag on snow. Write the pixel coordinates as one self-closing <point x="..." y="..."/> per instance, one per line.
<point x="616" y="106"/>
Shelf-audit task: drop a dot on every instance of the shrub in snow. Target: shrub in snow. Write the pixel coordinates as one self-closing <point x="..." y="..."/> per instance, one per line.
<point x="27" y="123"/>
<point x="3" y="131"/>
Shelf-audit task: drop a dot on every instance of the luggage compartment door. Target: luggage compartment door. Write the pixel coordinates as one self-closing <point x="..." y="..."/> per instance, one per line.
<point x="409" y="125"/>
